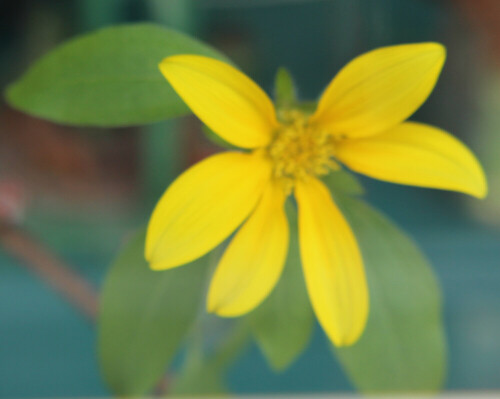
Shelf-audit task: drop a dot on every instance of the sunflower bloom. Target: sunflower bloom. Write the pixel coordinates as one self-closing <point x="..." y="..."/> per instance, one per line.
<point x="360" y="121"/>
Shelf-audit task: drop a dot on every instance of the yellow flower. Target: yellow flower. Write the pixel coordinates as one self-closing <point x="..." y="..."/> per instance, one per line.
<point x="359" y="121"/>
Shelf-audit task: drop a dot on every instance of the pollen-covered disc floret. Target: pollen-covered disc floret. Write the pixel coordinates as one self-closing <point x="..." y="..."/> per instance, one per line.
<point x="299" y="151"/>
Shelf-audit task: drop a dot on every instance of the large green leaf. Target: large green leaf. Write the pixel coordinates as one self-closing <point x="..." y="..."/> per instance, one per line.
<point x="403" y="346"/>
<point x="283" y="324"/>
<point x="144" y="317"/>
<point x="106" y="78"/>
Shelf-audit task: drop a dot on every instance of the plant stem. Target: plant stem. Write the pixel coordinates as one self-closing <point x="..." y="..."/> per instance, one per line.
<point x="50" y="268"/>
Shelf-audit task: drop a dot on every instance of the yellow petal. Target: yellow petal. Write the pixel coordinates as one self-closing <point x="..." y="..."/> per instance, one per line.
<point x="379" y="89"/>
<point x="225" y="99"/>
<point x="254" y="260"/>
<point x="203" y="206"/>
<point x="416" y="154"/>
<point x="332" y="264"/>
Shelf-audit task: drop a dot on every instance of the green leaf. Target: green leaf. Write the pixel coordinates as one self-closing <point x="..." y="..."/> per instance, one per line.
<point x="307" y="107"/>
<point x="216" y="139"/>
<point x="403" y="346"/>
<point x="343" y="182"/>
<point x="197" y="375"/>
<point x="106" y="78"/>
<point x="204" y="373"/>
<point x="283" y="324"/>
<point x="144" y="317"/>
<point x="284" y="89"/>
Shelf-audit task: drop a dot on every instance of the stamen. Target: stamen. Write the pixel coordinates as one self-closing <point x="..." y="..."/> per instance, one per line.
<point x="298" y="151"/>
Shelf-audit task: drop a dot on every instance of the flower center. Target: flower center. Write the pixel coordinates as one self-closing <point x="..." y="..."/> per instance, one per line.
<point x="298" y="151"/>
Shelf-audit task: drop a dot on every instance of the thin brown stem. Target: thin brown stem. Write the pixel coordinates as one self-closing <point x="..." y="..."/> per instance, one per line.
<point x="56" y="273"/>
<point x="50" y="268"/>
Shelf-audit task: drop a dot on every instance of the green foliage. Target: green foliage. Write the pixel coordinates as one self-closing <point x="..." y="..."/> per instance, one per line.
<point x="107" y="78"/>
<point x="307" y="106"/>
<point x="284" y="89"/>
<point x="285" y="94"/>
<point x="343" y="182"/>
<point x="198" y="376"/>
<point x="144" y="317"/>
<point x="216" y="139"/>
<point x="283" y="324"/>
<point x="204" y="373"/>
<point x="403" y="346"/>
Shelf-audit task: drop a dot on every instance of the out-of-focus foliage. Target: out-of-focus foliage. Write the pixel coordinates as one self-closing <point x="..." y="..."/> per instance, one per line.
<point x="144" y="318"/>
<point x="286" y="94"/>
<point x="284" y="89"/>
<point x="217" y="140"/>
<point x="107" y="78"/>
<point x="204" y="372"/>
<point x="488" y="142"/>
<point x="403" y="346"/>
<point x="343" y="182"/>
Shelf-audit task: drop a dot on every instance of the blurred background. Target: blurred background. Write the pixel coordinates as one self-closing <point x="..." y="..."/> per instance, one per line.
<point x="78" y="193"/>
